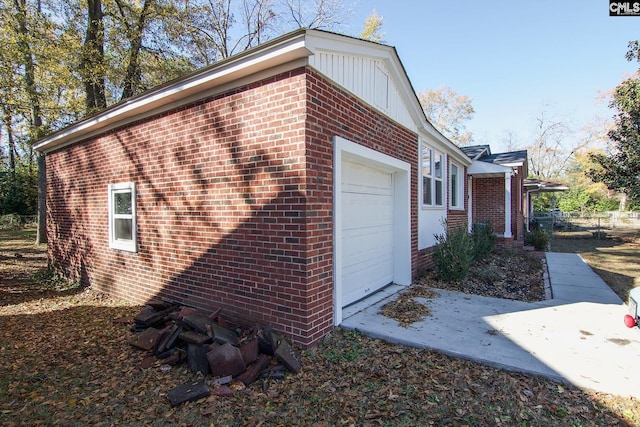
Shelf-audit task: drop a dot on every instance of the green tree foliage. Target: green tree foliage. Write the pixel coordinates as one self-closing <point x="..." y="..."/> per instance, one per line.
<point x="61" y="60"/>
<point x="634" y="51"/>
<point x="574" y="200"/>
<point x="584" y="195"/>
<point x="19" y="192"/>
<point x="209" y="31"/>
<point x="373" y="28"/>
<point x="25" y="35"/>
<point x="448" y="112"/>
<point x="584" y="199"/>
<point x="620" y="169"/>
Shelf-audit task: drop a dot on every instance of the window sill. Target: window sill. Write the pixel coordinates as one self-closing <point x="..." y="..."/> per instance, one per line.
<point x="124" y="247"/>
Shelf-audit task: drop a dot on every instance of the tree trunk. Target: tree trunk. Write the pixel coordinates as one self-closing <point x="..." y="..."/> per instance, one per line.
<point x="134" y="73"/>
<point x="92" y="64"/>
<point x="35" y="130"/>
<point x="11" y="146"/>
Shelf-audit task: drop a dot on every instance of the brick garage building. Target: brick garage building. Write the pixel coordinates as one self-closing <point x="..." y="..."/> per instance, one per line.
<point x="280" y="185"/>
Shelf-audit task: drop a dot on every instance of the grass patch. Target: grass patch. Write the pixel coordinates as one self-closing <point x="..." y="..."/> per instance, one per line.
<point x="615" y="258"/>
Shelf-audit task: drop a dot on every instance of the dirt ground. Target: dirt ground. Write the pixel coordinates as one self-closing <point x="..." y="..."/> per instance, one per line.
<point x="19" y="263"/>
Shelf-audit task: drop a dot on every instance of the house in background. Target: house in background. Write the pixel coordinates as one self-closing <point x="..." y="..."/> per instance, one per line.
<point x="280" y="184"/>
<point x="497" y="191"/>
<point x="535" y="187"/>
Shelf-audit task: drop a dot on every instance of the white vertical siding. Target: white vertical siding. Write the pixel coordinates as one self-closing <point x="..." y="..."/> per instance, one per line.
<point x="365" y="78"/>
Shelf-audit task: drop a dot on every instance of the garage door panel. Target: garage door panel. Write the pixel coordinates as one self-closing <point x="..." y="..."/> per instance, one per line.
<point x="379" y="269"/>
<point x="362" y="244"/>
<point x="363" y="179"/>
<point x="367" y="230"/>
<point x="358" y="209"/>
<point x="377" y="276"/>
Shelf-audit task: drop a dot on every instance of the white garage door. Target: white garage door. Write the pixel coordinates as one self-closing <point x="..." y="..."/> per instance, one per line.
<point x="367" y="230"/>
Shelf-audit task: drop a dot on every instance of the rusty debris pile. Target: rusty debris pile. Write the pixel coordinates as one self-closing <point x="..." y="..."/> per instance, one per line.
<point x="229" y="357"/>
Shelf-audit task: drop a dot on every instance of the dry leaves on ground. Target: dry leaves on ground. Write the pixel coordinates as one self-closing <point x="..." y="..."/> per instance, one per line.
<point x="508" y="274"/>
<point x="63" y="361"/>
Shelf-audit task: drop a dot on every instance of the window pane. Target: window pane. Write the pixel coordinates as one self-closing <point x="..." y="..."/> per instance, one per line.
<point x="122" y="216"/>
<point x="122" y="203"/>
<point x="438" y="166"/>
<point x="426" y="191"/>
<point x="454" y="185"/>
<point x="426" y="162"/>
<point x="123" y="229"/>
<point x="438" y="193"/>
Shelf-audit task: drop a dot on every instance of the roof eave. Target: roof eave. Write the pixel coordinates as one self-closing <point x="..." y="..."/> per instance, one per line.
<point x="484" y="169"/>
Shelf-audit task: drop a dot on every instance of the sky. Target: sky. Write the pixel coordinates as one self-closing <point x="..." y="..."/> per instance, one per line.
<point x="513" y="59"/>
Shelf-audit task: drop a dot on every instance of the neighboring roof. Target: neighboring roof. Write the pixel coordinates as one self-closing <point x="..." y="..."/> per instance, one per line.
<point x="512" y="158"/>
<point x="474" y="152"/>
<point x="287" y="52"/>
<point x="483" y="153"/>
<point x="538" y="185"/>
<point x="486" y="164"/>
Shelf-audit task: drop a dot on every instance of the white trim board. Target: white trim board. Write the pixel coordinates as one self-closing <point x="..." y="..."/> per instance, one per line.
<point x="345" y="149"/>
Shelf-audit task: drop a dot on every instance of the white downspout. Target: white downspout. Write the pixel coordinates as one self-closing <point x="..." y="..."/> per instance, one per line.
<point x="507" y="206"/>
<point x="529" y="209"/>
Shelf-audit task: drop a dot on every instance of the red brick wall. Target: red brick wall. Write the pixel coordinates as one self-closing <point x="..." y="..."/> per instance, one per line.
<point x="234" y="201"/>
<point x="488" y="203"/>
<point x="335" y="112"/>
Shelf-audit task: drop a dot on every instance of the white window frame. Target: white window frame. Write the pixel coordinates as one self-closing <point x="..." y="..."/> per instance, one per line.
<point x="130" y="245"/>
<point x="457" y="192"/>
<point x="435" y="181"/>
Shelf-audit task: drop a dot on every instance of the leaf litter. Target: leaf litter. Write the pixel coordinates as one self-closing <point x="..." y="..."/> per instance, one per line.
<point x="64" y="361"/>
<point x="505" y="273"/>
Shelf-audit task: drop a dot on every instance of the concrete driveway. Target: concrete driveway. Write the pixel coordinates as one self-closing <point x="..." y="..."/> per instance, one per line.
<point x="578" y="336"/>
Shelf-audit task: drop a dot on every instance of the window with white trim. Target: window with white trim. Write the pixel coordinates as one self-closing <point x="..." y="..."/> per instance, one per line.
<point x="432" y="173"/>
<point x="122" y="217"/>
<point x="456" y="183"/>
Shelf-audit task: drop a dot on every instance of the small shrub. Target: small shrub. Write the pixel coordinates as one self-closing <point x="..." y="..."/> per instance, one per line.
<point x="538" y="238"/>
<point x="453" y="254"/>
<point x="484" y="240"/>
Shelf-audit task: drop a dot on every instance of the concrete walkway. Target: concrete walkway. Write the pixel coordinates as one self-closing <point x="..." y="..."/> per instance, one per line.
<point x="578" y="336"/>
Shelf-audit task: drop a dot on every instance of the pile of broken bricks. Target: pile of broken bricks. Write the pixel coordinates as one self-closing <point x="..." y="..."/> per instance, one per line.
<point x="229" y="358"/>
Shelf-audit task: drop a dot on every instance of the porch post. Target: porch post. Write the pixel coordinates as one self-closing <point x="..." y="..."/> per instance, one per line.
<point x="470" y="203"/>
<point x="507" y="205"/>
